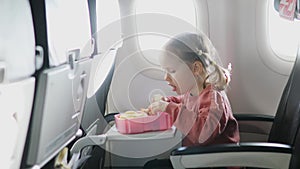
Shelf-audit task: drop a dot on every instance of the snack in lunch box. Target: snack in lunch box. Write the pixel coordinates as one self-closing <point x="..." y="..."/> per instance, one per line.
<point x="132" y="114"/>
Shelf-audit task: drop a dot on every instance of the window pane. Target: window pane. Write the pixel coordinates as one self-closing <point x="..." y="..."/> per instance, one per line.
<point x="68" y="28"/>
<point x="158" y="20"/>
<point x="284" y="34"/>
<point x="108" y="25"/>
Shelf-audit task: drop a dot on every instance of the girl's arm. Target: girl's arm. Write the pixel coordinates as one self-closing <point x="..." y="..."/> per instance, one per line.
<point x="174" y="99"/>
<point x="203" y="125"/>
<point x="173" y="109"/>
<point x="174" y="106"/>
<point x="162" y="104"/>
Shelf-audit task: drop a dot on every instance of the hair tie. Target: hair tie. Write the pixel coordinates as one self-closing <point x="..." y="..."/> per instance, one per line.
<point x="229" y="67"/>
<point x="227" y="73"/>
<point x="199" y="52"/>
<point x="203" y="58"/>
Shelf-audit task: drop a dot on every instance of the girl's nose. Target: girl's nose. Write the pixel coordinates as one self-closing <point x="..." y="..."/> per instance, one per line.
<point x="167" y="77"/>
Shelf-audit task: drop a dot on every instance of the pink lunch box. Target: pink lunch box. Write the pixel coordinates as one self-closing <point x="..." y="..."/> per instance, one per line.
<point x="161" y="121"/>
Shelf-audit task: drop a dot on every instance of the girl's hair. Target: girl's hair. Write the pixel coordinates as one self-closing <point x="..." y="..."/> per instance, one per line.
<point x="191" y="47"/>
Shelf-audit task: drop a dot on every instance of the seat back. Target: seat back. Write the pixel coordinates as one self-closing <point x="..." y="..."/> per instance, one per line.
<point x="63" y="30"/>
<point x="93" y="121"/>
<point x="17" y="64"/>
<point x="102" y="69"/>
<point x="102" y="92"/>
<point x="287" y="120"/>
<point x="285" y="128"/>
<point x="292" y="134"/>
<point x="17" y="40"/>
<point x="295" y="161"/>
<point x="101" y="76"/>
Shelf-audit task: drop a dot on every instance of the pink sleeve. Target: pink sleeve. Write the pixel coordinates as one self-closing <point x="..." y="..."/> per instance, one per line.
<point x="174" y="106"/>
<point x="203" y="126"/>
<point x="173" y="109"/>
<point x="216" y="120"/>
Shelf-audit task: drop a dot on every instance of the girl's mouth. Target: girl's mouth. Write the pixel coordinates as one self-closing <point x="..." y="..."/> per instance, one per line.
<point x="173" y="87"/>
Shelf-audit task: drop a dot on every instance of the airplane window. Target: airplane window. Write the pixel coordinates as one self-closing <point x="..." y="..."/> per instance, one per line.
<point x="66" y="30"/>
<point x="158" y="20"/>
<point x="108" y="25"/>
<point x="284" y="34"/>
<point x="108" y="37"/>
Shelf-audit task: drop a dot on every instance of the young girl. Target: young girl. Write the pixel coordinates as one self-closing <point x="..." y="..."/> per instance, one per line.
<point x="202" y="111"/>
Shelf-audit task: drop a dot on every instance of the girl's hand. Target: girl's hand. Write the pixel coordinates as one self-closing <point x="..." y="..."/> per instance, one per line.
<point x="159" y="106"/>
<point x="145" y="110"/>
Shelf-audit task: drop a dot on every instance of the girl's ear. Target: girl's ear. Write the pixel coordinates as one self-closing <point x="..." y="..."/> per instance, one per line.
<point x="197" y="68"/>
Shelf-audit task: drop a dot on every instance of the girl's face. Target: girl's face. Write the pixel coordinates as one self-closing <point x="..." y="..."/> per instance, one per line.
<point x="178" y="74"/>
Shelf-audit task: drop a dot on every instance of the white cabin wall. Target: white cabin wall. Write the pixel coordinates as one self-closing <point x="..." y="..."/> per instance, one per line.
<point x="137" y="77"/>
<point x="134" y="81"/>
<point x="238" y="29"/>
<point x="234" y="27"/>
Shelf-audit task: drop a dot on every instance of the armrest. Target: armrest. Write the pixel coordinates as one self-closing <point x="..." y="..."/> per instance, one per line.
<point x="263" y="155"/>
<point x="110" y="117"/>
<point x="254" y="127"/>
<point x="254" y="117"/>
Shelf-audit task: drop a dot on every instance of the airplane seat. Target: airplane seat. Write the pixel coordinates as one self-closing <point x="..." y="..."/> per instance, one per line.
<point x="63" y="32"/>
<point x="279" y="152"/>
<point x="101" y="73"/>
<point x="101" y="94"/>
<point x="99" y="82"/>
<point x="17" y="65"/>
<point x="257" y="127"/>
<point x="93" y="121"/>
<point x="111" y="141"/>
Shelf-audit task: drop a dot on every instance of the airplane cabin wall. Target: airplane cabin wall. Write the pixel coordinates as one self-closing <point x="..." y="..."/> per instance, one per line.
<point x="135" y="81"/>
<point x="238" y="29"/>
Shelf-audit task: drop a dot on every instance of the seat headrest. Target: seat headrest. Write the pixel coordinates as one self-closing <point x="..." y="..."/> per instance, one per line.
<point x="17" y="49"/>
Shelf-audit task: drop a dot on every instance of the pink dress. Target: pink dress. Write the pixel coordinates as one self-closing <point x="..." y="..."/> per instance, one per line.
<point x="206" y="119"/>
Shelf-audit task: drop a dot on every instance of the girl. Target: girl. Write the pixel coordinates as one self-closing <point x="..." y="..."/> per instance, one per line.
<point x="202" y="111"/>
